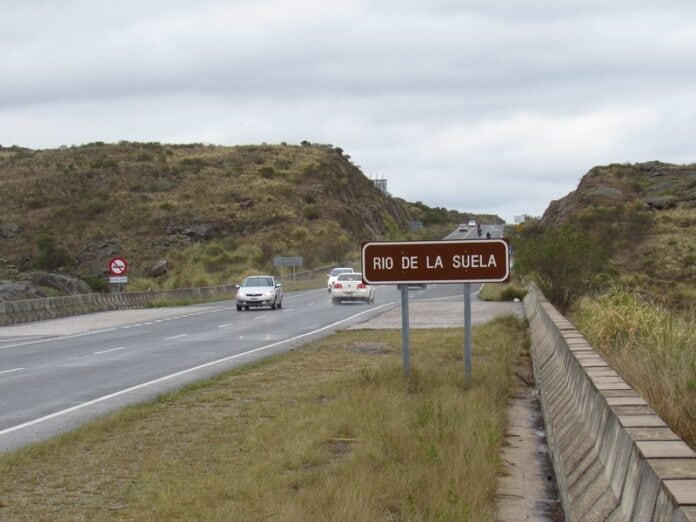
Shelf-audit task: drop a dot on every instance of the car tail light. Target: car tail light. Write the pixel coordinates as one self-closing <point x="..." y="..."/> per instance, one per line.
<point x="337" y="285"/>
<point x="361" y="286"/>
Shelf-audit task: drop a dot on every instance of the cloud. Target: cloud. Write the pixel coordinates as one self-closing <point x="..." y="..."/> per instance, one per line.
<point x="473" y="105"/>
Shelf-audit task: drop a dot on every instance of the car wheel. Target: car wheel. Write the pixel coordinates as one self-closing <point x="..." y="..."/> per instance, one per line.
<point x="239" y="308"/>
<point x="246" y="308"/>
<point x="273" y="305"/>
<point x="335" y="301"/>
<point x="280" y="304"/>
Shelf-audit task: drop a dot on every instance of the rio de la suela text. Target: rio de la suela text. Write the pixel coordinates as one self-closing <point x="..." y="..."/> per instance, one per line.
<point x="457" y="261"/>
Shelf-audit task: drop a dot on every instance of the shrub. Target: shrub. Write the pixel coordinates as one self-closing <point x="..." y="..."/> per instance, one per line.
<point x="142" y="284"/>
<point x="512" y="292"/>
<point x="97" y="284"/>
<point x="267" y="172"/>
<point x="565" y="261"/>
<point x="50" y="256"/>
<point x="310" y="212"/>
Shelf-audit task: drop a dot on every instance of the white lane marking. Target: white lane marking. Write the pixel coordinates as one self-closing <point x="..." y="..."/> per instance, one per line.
<point x="175" y="337"/>
<point x="12" y="370"/>
<point x="109" y="350"/>
<point x="260" y="317"/>
<point x="180" y="373"/>
<point x="58" y="338"/>
<point x="228" y="325"/>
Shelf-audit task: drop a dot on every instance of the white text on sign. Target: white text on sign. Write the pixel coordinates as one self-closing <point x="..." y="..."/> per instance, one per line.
<point x="459" y="261"/>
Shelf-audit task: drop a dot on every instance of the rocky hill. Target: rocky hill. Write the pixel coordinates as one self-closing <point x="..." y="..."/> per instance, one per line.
<point x="196" y="214"/>
<point x="649" y="210"/>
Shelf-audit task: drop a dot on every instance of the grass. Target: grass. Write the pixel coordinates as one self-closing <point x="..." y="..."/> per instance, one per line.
<point x="652" y="348"/>
<point x="329" y="432"/>
<point x="502" y="292"/>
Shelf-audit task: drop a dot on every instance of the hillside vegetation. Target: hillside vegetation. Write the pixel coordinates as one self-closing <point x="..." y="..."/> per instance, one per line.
<point x="618" y="255"/>
<point x="212" y="212"/>
<point x="635" y="223"/>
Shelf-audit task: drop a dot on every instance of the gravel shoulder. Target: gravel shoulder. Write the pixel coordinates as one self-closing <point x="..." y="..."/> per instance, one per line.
<point x="442" y="314"/>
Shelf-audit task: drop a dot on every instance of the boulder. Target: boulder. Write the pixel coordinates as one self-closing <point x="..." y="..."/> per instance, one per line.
<point x="160" y="268"/>
<point x="9" y="230"/>
<point x="201" y="231"/>
<point x="66" y="285"/>
<point x="18" y="291"/>
<point x="662" y="202"/>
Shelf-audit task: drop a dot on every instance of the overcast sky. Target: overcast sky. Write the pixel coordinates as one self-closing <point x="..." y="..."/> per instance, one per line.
<point x="491" y="106"/>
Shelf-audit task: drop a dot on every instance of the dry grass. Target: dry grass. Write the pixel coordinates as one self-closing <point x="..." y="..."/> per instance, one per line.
<point x="652" y="348"/>
<point x="329" y="432"/>
<point x="502" y="292"/>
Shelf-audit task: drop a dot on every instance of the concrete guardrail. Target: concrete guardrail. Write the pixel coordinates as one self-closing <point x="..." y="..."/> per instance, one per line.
<point x="614" y="457"/>
<point x="12" y="312"/>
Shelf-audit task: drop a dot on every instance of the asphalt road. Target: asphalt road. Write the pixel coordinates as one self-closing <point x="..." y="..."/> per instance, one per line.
<point x="55" y="375"/>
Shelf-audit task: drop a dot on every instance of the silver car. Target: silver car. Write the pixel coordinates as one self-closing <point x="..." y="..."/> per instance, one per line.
<point x="261" y="290"/>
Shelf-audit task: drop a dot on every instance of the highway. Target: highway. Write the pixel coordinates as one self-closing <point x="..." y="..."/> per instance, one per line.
<point x="53" y="382"/>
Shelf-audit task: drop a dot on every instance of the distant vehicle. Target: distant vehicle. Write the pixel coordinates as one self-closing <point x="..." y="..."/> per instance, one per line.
<point x="472" y="222"/>
<point x="350" y="287"/>
<point x="335" y="273"/>
<point x="463" y="228"/>
<point x="259" y="290"/>
<point x="422" y="286"/>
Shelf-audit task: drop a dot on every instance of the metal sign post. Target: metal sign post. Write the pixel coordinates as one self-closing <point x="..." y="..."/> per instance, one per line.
<point x="406" y="341"/>
<point x="467" y="332"/>
<point x="405" y="336"/>
<point x="423" y="262"/>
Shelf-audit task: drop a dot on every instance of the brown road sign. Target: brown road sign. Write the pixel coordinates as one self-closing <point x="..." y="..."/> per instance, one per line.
<point x="418" y="262"/>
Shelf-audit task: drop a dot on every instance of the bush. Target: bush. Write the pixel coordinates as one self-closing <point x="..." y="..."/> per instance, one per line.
<point x="512" y="292"/>
<point x="142" y="284"/>
<point x="97" y="284"/>
<point x="51" y="256"/>
<point x="310" y="212"/>
<point x="502" y="292"/>
<point x="565" y="261"/>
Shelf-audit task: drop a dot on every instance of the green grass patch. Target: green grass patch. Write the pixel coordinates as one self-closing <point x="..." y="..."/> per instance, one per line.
<point x="332" y="431"/>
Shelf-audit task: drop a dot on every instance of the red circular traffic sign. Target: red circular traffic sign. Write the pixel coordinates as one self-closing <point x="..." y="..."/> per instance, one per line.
<point x="118" y="266"/>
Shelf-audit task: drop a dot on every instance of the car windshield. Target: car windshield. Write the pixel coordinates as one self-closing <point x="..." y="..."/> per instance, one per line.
<point x="258" y="281"/>
<point x="338" y="271"/>
<point x="350" y="277"/>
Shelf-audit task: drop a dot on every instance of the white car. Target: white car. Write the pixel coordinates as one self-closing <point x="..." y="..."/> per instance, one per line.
<point x="335" y="273"/>
<point x="261" y="290"/>
<point x="350" y="287"/>
<point x="472" y="222"/>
